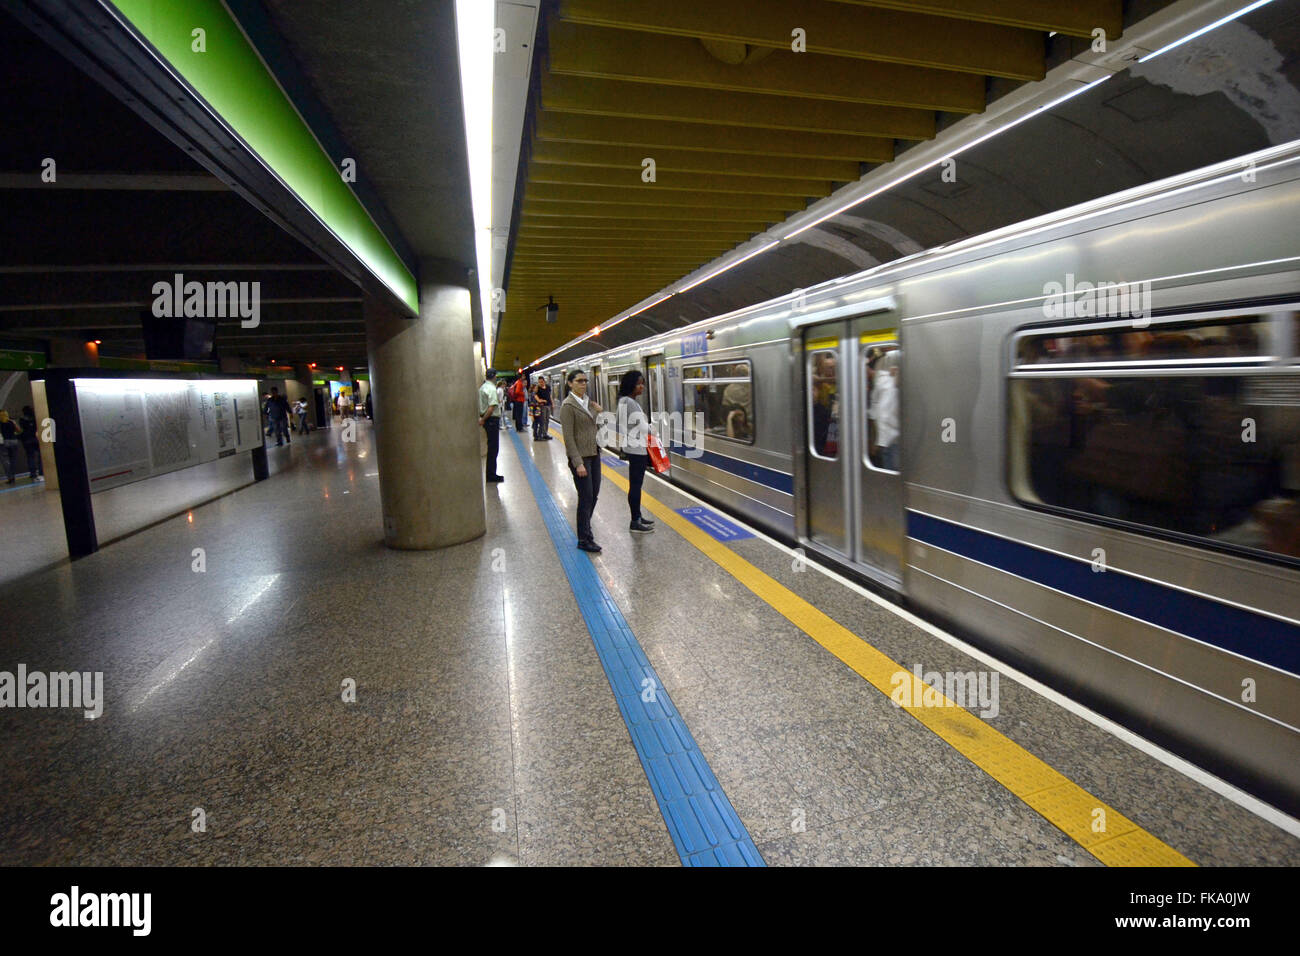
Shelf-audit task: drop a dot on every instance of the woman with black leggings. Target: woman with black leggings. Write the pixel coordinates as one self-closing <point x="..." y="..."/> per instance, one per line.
<point x="634" y="429"/>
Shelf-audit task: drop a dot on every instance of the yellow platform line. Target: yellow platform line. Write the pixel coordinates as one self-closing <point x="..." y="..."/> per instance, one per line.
<point x="1103" y="831"/>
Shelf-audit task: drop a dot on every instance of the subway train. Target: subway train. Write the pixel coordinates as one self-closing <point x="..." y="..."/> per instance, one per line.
<point x="1075" y="441"/>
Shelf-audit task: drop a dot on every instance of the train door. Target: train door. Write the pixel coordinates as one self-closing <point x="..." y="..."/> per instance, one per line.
<point x="878" y="410"/>
<point x="655" y="379"/>
<point x="827" y="395"/>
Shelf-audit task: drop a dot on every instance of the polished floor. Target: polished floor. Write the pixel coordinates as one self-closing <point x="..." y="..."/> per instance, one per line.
<point x="484" y="730"/>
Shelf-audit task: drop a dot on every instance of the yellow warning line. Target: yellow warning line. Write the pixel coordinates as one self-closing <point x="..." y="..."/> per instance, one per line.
<point x="1101" y="830"/>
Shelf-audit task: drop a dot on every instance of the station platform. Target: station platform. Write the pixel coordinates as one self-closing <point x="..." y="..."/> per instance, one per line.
<point x="675" y="700"/>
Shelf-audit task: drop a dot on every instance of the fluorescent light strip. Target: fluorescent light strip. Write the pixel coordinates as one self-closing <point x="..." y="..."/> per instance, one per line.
<point x="623" y="318"/>
<point x="938" y="162"/>
<point x="1203" y="30"/>
<point x="475" y="23"/>
<point x="717" y="272"/>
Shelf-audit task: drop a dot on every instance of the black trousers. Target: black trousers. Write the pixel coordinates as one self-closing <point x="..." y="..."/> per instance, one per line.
<point x="33" y="460"/>
<point x="588" y="492"/>
<point x="521" y="410"/>
<point x="493" y="428"/>
<point x="636" y="466"/>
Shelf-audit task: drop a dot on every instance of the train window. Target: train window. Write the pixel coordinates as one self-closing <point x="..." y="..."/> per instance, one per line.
<point x="724" y="395"/>
<point x="1209" y="452"/>
<point x="1224" y="338"/>
<point x="883" y="393"/>
<point x="824" y="401"/>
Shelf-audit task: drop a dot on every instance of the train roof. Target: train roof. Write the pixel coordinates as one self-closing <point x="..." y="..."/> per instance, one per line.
<point x="885" y="274"/>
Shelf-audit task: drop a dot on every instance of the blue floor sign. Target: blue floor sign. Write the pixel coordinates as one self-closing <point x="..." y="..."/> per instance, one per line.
<point x="613" y="462"/>
<point x="717" y="526"/>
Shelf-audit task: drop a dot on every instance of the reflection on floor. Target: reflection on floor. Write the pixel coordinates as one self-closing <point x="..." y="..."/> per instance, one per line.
<point x="304" y="695"/>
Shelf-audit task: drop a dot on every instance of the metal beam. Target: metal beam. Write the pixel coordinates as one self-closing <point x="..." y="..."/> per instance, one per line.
<point x="581" y="210"/>
<point x="695" y="161"/>
<point x="569" y="94"/>
<point x="1076" y="18"/>
<point x="707" y="182"/>
<point x="678" y="61"/>
<point x="146" y="182"/>
<point x="651" y="134"/>
<point x="595" y="230"/>
<point x="654" y="194"/>
<point x="914" y="39"/>
<point x="546" y="243"/>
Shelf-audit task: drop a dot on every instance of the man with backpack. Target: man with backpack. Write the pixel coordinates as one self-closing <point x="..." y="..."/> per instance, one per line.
<point x="519" y="396"/>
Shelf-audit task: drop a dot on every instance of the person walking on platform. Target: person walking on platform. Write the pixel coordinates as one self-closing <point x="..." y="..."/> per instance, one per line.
<point x="277" y="413"/>
<point x="578" y="419"/>
<point x="31" y="443"/>
<point x="501" y="403"/>
<point x="489" y="412"/>
<point x="634" y="430"/>
<point x="9" y="449"/>
<point x="542" y="422"/>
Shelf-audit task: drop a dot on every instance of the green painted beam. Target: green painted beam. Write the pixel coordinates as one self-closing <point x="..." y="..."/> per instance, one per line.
<point x="232" y="79"/>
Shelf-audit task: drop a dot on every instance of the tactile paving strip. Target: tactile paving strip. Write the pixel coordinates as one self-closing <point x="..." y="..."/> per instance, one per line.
<point x="1100" y="829"/>
<point x="704" y="826"/>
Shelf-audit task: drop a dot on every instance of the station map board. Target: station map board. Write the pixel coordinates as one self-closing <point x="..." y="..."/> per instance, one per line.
<point x="134" y="429"/>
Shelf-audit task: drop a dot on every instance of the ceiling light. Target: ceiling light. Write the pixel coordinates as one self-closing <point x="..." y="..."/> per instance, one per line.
<point x="1206" y="29"/>
<point x="474" y="37"/>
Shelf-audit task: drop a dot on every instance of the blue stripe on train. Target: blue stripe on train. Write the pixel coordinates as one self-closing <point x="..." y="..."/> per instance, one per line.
<point x="1242" y="632"/>
<point x="756" y="473"/>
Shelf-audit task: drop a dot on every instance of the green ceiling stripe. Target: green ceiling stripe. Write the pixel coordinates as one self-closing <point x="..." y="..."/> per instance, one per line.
<point x="231" y="77"/>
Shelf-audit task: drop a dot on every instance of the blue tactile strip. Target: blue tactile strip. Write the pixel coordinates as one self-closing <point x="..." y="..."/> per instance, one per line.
<point x="704" y="826"/>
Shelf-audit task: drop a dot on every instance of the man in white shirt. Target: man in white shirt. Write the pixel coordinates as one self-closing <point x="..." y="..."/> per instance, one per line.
<point x="489" y="413"/>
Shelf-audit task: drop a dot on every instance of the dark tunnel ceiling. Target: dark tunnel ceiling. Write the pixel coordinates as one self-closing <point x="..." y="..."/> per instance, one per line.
<point x="79" y="258"/>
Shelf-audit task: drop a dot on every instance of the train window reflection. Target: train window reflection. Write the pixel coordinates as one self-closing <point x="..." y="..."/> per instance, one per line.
<point x="883" y="392"/>
<point x="1215" y="456"/>
<point x="724" y="395"/>
<point x="1238" y="337"/>
<point x="823" y="399"/>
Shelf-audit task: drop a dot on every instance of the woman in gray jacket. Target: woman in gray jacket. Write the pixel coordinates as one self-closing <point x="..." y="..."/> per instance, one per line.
<point x="634" y="429"/>
<point x="578" y="419"/>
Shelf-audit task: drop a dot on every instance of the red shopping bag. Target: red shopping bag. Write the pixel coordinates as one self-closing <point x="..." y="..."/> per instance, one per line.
<point x="658" y="457"/>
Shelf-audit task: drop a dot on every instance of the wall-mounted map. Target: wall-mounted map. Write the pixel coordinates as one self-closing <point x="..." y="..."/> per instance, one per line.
<point x="137" y="428"/>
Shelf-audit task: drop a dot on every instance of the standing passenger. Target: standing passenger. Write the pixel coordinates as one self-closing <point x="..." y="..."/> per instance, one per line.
<point x="884" y="412"/>
<point x="634" y="430"/>
<point x="519" y="397"/>
<point x="31" y="443"/>
<point x="9" y="436"/>
<point x="501" y="403"/>
<point x="578" y="419"/>
<point x="489" y="410"/>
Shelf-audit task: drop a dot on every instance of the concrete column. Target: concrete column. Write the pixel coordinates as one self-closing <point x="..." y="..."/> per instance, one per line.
<point x="425" y="392"/>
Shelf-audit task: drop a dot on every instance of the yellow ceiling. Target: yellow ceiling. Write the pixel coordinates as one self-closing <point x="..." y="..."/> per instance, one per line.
<point x="743" y="129"/>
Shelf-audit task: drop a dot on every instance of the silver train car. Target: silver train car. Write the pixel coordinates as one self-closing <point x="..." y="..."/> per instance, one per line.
<point x="1075" y="440"/>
